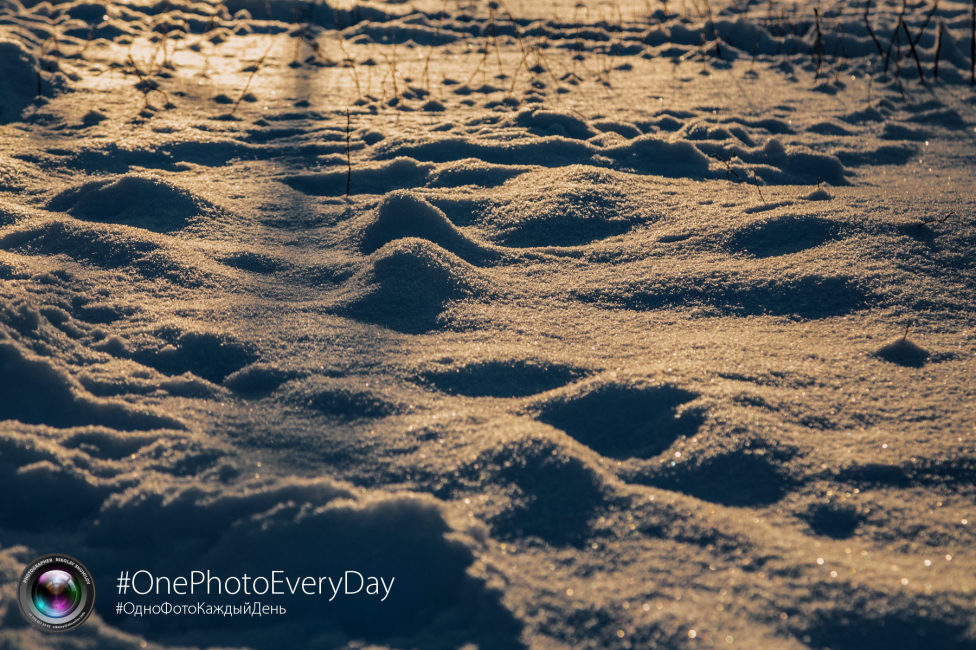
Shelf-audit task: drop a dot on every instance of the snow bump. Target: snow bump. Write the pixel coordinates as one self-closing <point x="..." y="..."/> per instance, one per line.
<point x="406" y="285"/>
<point x="133" y="200"/>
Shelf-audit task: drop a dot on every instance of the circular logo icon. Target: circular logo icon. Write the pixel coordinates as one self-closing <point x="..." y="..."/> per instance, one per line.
<point x="56" y="593"/>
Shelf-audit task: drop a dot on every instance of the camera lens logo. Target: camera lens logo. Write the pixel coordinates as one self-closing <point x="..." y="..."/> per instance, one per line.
<point x="56" y="593"/>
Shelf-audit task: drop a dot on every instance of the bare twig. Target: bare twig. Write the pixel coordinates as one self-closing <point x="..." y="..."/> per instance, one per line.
<point x="924" y="221"/>
<point x="911" y="44"/>
<point x="818" y="43"/>
<point x="928" y="19"/>
<point x="729" y="171"/>
<point x="251" y="77"/>
<point x="146" y="85"/>
<point x="896" y="35"/>
<point x="972" y="47"/>
<point x="348" y="156"/>
<point x="867" y="23"/>
<point x="425" y="78"/>
<point x="350" y="63"/>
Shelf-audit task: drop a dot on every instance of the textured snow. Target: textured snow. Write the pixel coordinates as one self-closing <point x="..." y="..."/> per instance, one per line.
<point x="598" y="325"/>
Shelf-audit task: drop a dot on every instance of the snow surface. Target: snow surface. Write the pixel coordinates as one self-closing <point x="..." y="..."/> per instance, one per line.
<point x="605" y="324"/>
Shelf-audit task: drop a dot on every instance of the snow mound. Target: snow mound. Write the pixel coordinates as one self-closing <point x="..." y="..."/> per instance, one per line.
<point x="501" y="377"/>
<point x="402" y="537"/>
<point x="549" y="151"/>
<point x="566" y="207"/>
<point x="651" y="155"/>
<point x="829" y="128"/>
<point x="471" y="171"/>
<point x="786" y="234"/>
<point x="343" y="398"/>
<point x="886" y="154"/>
<point x="894" y="131"/>
<point x="107" y="443"/>
<point x="211" y="356"/>
<point x="904" y="353"/>
<point x="255" y="262"/>
<point x="28" y="466"/>
<point x="39" y="392"/>
<point x="373" y="178"/>
<point x="257" y="379"/>
<point x="777" y="163"/>
<point x="808" y="296"/>
<point x="553" y="495"/>
<point x="794" y="165"/>
<point x="818" y="195"/>
<point x="403" y="214"/>
<point x="739" y="478"/>
<point x="407" y="284"/>
<point x="18" y="80"/>
<point x="102" y="248"/>
<point x="547" y="122"/>
<point x="621" y="420"/>
<point x="143" y="201"/>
